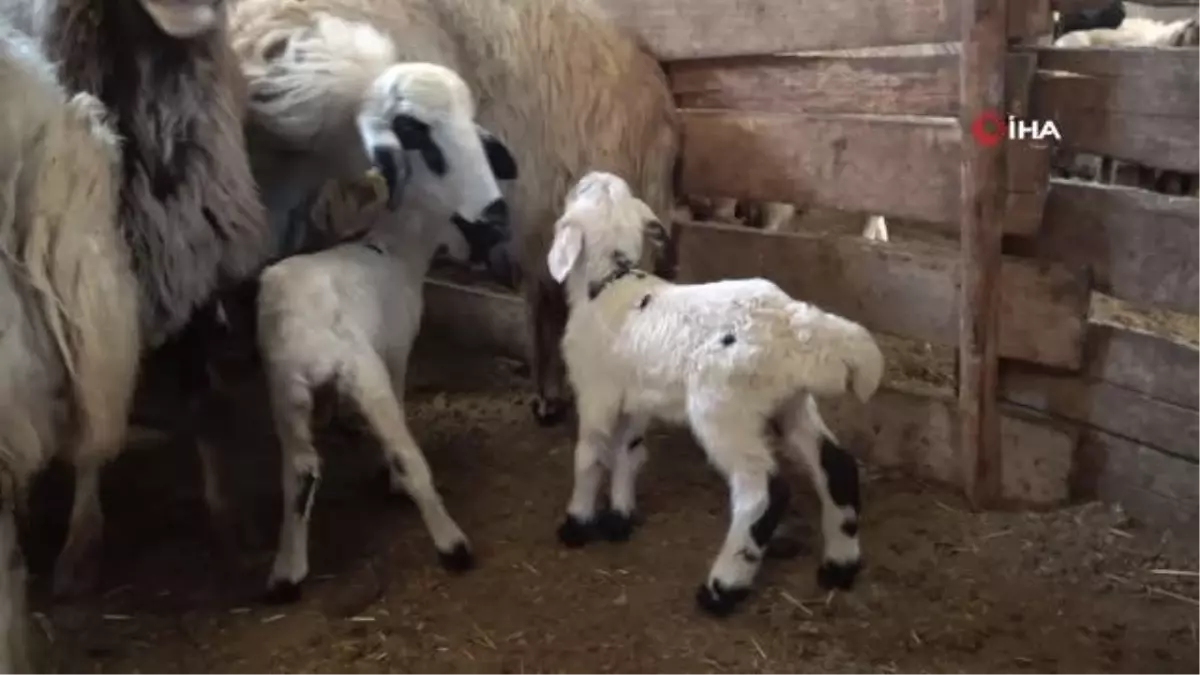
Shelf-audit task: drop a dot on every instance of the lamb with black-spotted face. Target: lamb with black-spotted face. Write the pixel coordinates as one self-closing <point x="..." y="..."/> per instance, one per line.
<point x="417" y="125"/>
<point x="737" y="361"/>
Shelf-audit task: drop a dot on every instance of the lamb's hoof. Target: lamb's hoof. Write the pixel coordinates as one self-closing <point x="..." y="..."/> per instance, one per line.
<point x="785" y="548"/>
<point x="457" y="559"/>
<point x="615" y="526"/>
<point x="838" y="575"/>
<point x="282" y="592"/>
<point x="718" y="600"/>
<point x="549" y="412"/>
<point x="574" y="533"/>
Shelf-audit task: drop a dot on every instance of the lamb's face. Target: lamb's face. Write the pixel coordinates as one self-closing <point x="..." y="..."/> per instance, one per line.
<point x="185" y="19"/>
<point x="602" y="221"/>
<point x="418" y="127"/>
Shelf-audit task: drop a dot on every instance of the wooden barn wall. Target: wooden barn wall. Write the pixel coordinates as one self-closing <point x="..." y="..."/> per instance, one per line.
<point x="1135" y="401"/>
<point x="858" y="111"/>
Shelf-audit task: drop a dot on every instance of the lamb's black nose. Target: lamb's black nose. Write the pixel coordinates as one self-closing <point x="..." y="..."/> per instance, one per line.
<point x="496" y="216"/>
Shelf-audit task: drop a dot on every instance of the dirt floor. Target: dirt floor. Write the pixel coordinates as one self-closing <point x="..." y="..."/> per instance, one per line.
<point x="944" y="590"/>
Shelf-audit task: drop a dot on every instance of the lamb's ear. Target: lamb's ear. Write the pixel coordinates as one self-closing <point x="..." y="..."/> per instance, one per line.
<point x="565" y="251"/>
<point x="504" y="167"/>
<point x="657" y="233"/>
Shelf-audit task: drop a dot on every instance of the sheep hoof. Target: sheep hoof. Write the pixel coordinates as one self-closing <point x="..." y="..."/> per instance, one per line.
<point x="840" y="575"/>
<point x="785" y="548"/>
<point x="457" y="559"/>
<point x="574" y="533"/>
<point x="549" y="412"/>
<point x="282" y="592"/>
<point x="615" y="526"/>
<point x="718" y="600"/>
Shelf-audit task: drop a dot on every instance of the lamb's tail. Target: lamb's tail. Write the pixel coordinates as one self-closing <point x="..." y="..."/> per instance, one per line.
<point x="307" y="71"/>
<point x="845" y="352"/>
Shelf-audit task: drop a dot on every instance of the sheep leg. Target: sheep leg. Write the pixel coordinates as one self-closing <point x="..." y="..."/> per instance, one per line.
<point x="547" y="319"/>
<point x="628" y="457"/>
<point x="292" y="403"/>
<point x="778" y="216"/>
<point x="759" y="497"/>
<point x="78" y="563"/>
<point x="371" y="388"/>
<point x="876" y="229"/>
<point x="600" y="424"/>
<point x="14" y="635"/>
<point x="834" y="475"/>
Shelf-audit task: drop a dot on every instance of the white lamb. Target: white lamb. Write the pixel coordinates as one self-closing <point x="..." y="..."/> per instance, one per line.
<point x="736" y="360"/>
<point x="346" y="317"/>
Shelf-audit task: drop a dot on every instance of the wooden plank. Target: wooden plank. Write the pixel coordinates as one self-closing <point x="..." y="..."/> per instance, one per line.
<point x="1146" y="364"/>
<point x="689" y="29"/>
<point x="1157" y="489"/>
<point x="983" y="167"/>
<point x="1140" y="246"/>
<point x="1029" y="18"/>
<point x="1131" y="81"/>
<point x="1101" y="405"/>
<point x="1158" y="142"/>
<point x="898" y="166"/>
<point x="882" y="85"/>
<point x="901" y="288"/>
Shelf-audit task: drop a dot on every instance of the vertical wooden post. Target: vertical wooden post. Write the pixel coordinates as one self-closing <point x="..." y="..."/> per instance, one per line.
<point x="981" y="80"/>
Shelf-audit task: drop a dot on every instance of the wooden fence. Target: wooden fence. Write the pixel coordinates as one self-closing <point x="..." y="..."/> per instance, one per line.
<point x="1049" y="403"/>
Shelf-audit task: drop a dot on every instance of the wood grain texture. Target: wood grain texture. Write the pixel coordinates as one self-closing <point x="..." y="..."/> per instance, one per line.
<point x="1140" y="246"/>
<point x="903" y="289"/>
<point x="1137" y="105"/>
<point x="881" y="85"/>
<point x="983" y="170"/>
<point x="1157" y="489"/>
<point x="898" y="166"/>
<point x="1148" y="364"/>
<point x="689" y="29"/>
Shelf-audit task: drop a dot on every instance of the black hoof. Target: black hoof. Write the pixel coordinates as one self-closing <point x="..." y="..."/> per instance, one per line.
<point x="574" y="533"/>
<point x="549" y="412"/>
<point x="615" y="526"/>
<point x="457" y="559"/>
<point x="785" y="548"/>
<point x="282" y="593"/>
<point x="833" y="575"/>
<point x="718" y="600"/>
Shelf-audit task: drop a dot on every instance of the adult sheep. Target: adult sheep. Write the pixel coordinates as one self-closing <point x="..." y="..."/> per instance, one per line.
<point x="69" y="337"/>
<point x="558" y="81"/>
<point x="188" y="208"/>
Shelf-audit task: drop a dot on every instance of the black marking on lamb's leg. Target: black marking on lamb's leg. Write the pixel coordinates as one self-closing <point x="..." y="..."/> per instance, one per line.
<point x="645" y="301"/>
<point x="574" y="532"/>
<point x="831" y="575"/>
<point x="841" y="476"/>
<point x="308" y="483"/>
<point x="777" y="496"/>
<point x="719" y="601"/>
<point x="841" y="471"/>
<point x="614" y="525"/>
<point x="283" y="592"/>
<point x="457" y="559"/>
<point x="728" y="339"/>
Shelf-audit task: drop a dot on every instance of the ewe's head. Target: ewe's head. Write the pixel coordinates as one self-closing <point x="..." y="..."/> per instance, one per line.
<point x="601" y="230"/>
<point x="185" y="19"/>
<point x="418" y="127"/>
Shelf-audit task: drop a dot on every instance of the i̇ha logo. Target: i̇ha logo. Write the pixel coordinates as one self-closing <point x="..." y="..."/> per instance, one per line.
<point x="991" y="127"/>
